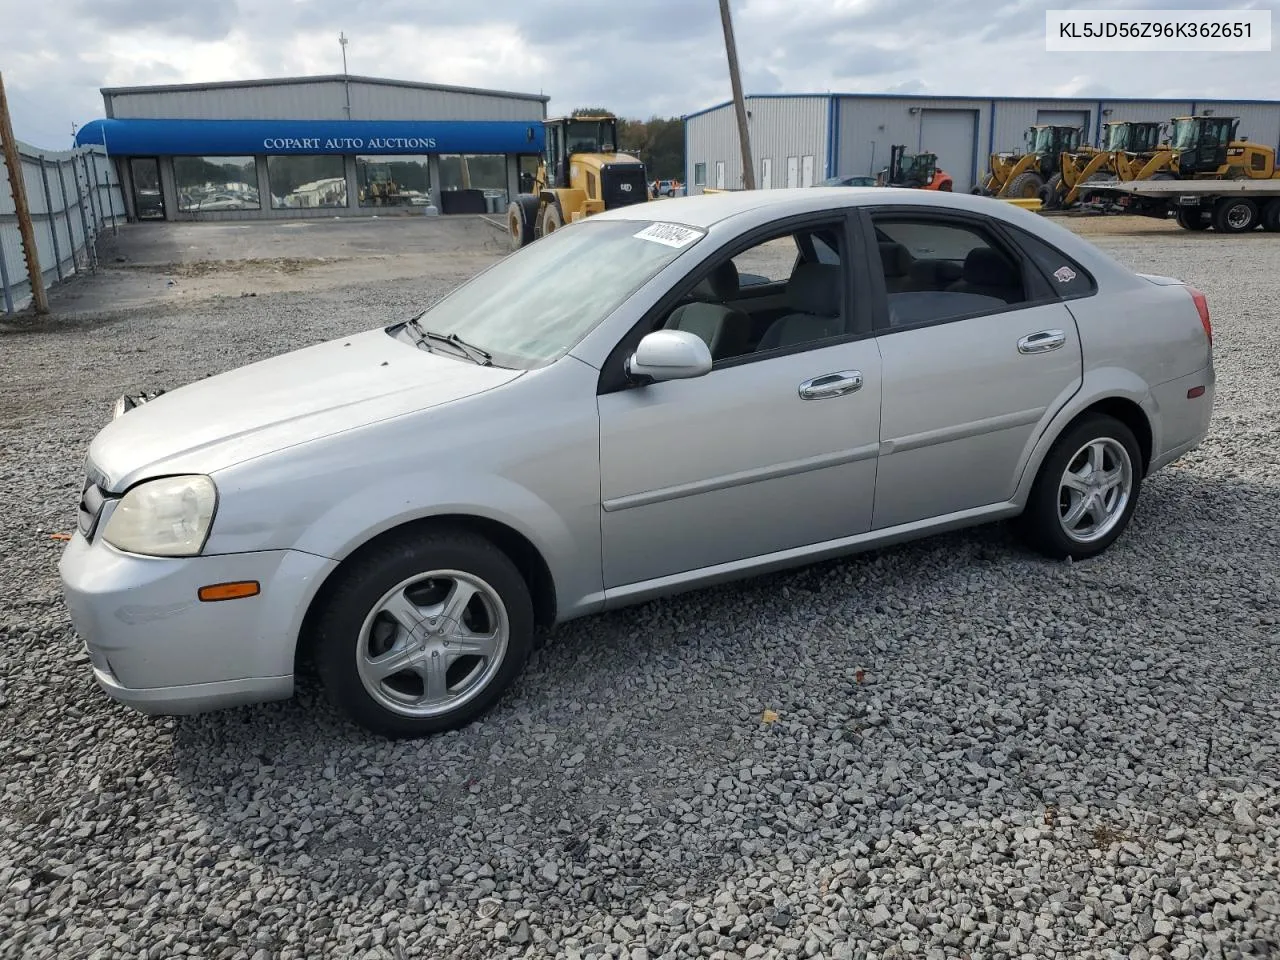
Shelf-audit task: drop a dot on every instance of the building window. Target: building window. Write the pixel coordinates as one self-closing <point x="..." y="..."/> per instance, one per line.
<point x="306" y="182"/>
<point x="216" y="183"/>
<point x="699" y="174"/>
<point x="473" y="183"/>
<point x="393" y="181"/>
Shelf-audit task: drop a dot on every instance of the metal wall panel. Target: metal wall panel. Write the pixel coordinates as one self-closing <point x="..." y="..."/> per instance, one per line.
<point x="1150" y="110"/>
<point x="868" y="126"/>
<point x="320" y="100"/>
<point x="1260" y="123"/>
<point x="780" y="127"/>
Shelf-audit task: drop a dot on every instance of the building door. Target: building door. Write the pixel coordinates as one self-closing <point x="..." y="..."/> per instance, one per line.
<point x="766" y="173"/>
<point x="148" y="198"/>
<point x="793" y="172"/>
<point x="719" y="174"/>
<point x="806" y="171"/>
<point x="952" y="135"/>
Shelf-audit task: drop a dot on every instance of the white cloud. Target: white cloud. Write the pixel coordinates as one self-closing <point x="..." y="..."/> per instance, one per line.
<point x="640" y="58"/>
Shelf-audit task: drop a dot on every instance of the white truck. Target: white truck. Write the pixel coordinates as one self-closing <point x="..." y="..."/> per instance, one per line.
<point x="1228" y="206"/>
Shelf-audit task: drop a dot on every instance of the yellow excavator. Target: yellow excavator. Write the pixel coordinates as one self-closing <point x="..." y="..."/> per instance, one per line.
<point x="1022" y="174"/>
<point x="580" y="173"/>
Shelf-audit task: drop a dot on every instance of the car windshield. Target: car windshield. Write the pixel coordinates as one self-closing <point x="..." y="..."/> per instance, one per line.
<point x="532" y="307"/>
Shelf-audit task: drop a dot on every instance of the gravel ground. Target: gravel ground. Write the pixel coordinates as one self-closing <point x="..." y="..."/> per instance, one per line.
<point x="949" y="749"/>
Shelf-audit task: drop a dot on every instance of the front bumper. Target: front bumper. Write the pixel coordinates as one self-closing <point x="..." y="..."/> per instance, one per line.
<point x="157" y="648"/>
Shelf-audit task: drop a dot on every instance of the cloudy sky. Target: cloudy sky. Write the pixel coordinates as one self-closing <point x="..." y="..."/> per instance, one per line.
<point x="637" y="57"/>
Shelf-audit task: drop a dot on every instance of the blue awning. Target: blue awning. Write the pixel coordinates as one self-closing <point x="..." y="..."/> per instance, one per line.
<point x="197" y="138"/>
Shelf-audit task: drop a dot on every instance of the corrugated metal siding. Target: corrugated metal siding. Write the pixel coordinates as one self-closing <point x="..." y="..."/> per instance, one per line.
<point x="869" y="126"/>
<point x="1149" y="110"/>
<point x="321" y="100"/>
<point x="713" y="136"/>
<point x="786" y="127"/>
<point x="378" y="102"/>
<point x="780" y="127"/>
<point x="1259" y="122"/>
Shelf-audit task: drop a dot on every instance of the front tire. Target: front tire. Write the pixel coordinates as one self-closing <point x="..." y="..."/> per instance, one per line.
<point x="521" y="216"/>
<point x="424" y="634"/>
<point x="551" y="218"/>
<point x="1086" y="490"/>
<point x="1191" y="218"/>
<point x="1025" y="186"/>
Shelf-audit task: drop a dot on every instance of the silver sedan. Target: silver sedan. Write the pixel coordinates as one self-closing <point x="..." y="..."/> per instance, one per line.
<point x="659" y="397"/>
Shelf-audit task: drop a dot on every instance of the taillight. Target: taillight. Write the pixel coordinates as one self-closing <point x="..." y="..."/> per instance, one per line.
<point x="1202" y="305"/>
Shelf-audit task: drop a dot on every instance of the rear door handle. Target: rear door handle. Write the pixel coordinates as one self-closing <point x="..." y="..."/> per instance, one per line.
<point x="1042" y="342"/>
<point x="831" y="385"/>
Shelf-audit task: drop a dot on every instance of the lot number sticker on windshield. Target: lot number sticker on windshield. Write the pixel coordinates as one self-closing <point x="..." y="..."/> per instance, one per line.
<point x="670" y="234"/>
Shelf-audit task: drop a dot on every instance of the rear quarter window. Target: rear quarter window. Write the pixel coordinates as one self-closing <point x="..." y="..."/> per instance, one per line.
<point x="1068" y="279"/>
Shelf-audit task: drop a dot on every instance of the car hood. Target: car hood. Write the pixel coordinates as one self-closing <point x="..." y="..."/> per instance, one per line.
<point x="279" y="402"/>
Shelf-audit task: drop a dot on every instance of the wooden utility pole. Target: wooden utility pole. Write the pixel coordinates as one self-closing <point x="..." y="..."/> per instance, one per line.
<point x="18" y="186"/>
<point x="748" y="166"/>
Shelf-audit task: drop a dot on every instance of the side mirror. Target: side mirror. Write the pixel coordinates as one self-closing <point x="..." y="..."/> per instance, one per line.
<point x="670" y="355"/>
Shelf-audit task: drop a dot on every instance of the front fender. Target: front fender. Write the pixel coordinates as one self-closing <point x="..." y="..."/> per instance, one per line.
<point x="1102" y="383"/>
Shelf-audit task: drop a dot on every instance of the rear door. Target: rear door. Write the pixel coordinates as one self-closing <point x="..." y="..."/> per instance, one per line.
<point x="978" y="353"/>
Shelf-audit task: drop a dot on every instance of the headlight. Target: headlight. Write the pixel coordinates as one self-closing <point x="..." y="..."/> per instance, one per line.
<point x="169" y="517"/>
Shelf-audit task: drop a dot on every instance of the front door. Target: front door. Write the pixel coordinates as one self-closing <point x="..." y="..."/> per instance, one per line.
<point x="148" y="198"/>
<point x="979" y="354"/>
<point x="774" y="449"/>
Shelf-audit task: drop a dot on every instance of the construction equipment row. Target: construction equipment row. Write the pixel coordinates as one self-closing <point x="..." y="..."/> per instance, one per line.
<point x="1055" y="167"/>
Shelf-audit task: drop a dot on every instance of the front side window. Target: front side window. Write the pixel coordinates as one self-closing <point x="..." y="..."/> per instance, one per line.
<point x="534" y="306"/>
<point x="782" y="292"/>
<point x="938" y="270"/>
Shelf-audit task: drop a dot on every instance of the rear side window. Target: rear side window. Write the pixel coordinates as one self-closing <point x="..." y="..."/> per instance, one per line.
<point x="1067" y="278"/>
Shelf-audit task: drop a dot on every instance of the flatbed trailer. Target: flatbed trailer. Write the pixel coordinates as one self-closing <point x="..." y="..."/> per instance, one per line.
<point x="1227" y="206"/>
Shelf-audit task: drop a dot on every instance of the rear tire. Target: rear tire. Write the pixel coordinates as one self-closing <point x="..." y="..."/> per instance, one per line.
<point x="1071" y="511"/>
<point x="395" y="602"/>
<point x="1025" y="186"/>
<point x="1235" y="215"/>
<point x="1271" y="216"/>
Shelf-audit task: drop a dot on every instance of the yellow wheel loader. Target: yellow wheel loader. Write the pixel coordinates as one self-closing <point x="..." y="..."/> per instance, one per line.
<point x="580" y="173"/>
<point x="1022" y="175"/>
<point x="1124" y="143"/>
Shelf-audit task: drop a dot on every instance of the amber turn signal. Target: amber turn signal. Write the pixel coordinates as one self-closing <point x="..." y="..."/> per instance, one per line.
<point x="229" y="591"/>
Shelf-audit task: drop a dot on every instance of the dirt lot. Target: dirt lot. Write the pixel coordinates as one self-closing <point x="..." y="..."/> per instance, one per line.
<point x="159" y="263"/>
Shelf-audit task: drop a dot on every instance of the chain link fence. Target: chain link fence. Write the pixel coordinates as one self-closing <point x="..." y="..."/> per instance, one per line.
<point x="73" y="196"/>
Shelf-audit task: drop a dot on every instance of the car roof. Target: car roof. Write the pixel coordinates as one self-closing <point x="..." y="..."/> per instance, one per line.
<point x="708" y="209"/>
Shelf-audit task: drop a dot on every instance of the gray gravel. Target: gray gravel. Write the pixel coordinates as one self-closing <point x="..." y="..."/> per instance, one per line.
<point x="976" y="753"/>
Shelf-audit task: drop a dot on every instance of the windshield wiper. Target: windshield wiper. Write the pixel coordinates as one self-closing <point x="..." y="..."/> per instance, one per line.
<point x="470" y="351"/>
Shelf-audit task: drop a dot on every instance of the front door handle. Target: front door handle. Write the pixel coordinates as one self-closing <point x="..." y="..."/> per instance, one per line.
<point x="831" y="385"/>
<point x="1042" y="342"/>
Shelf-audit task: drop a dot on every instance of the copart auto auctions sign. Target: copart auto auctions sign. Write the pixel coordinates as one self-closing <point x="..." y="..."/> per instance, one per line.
<point x="349" y="143"/>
